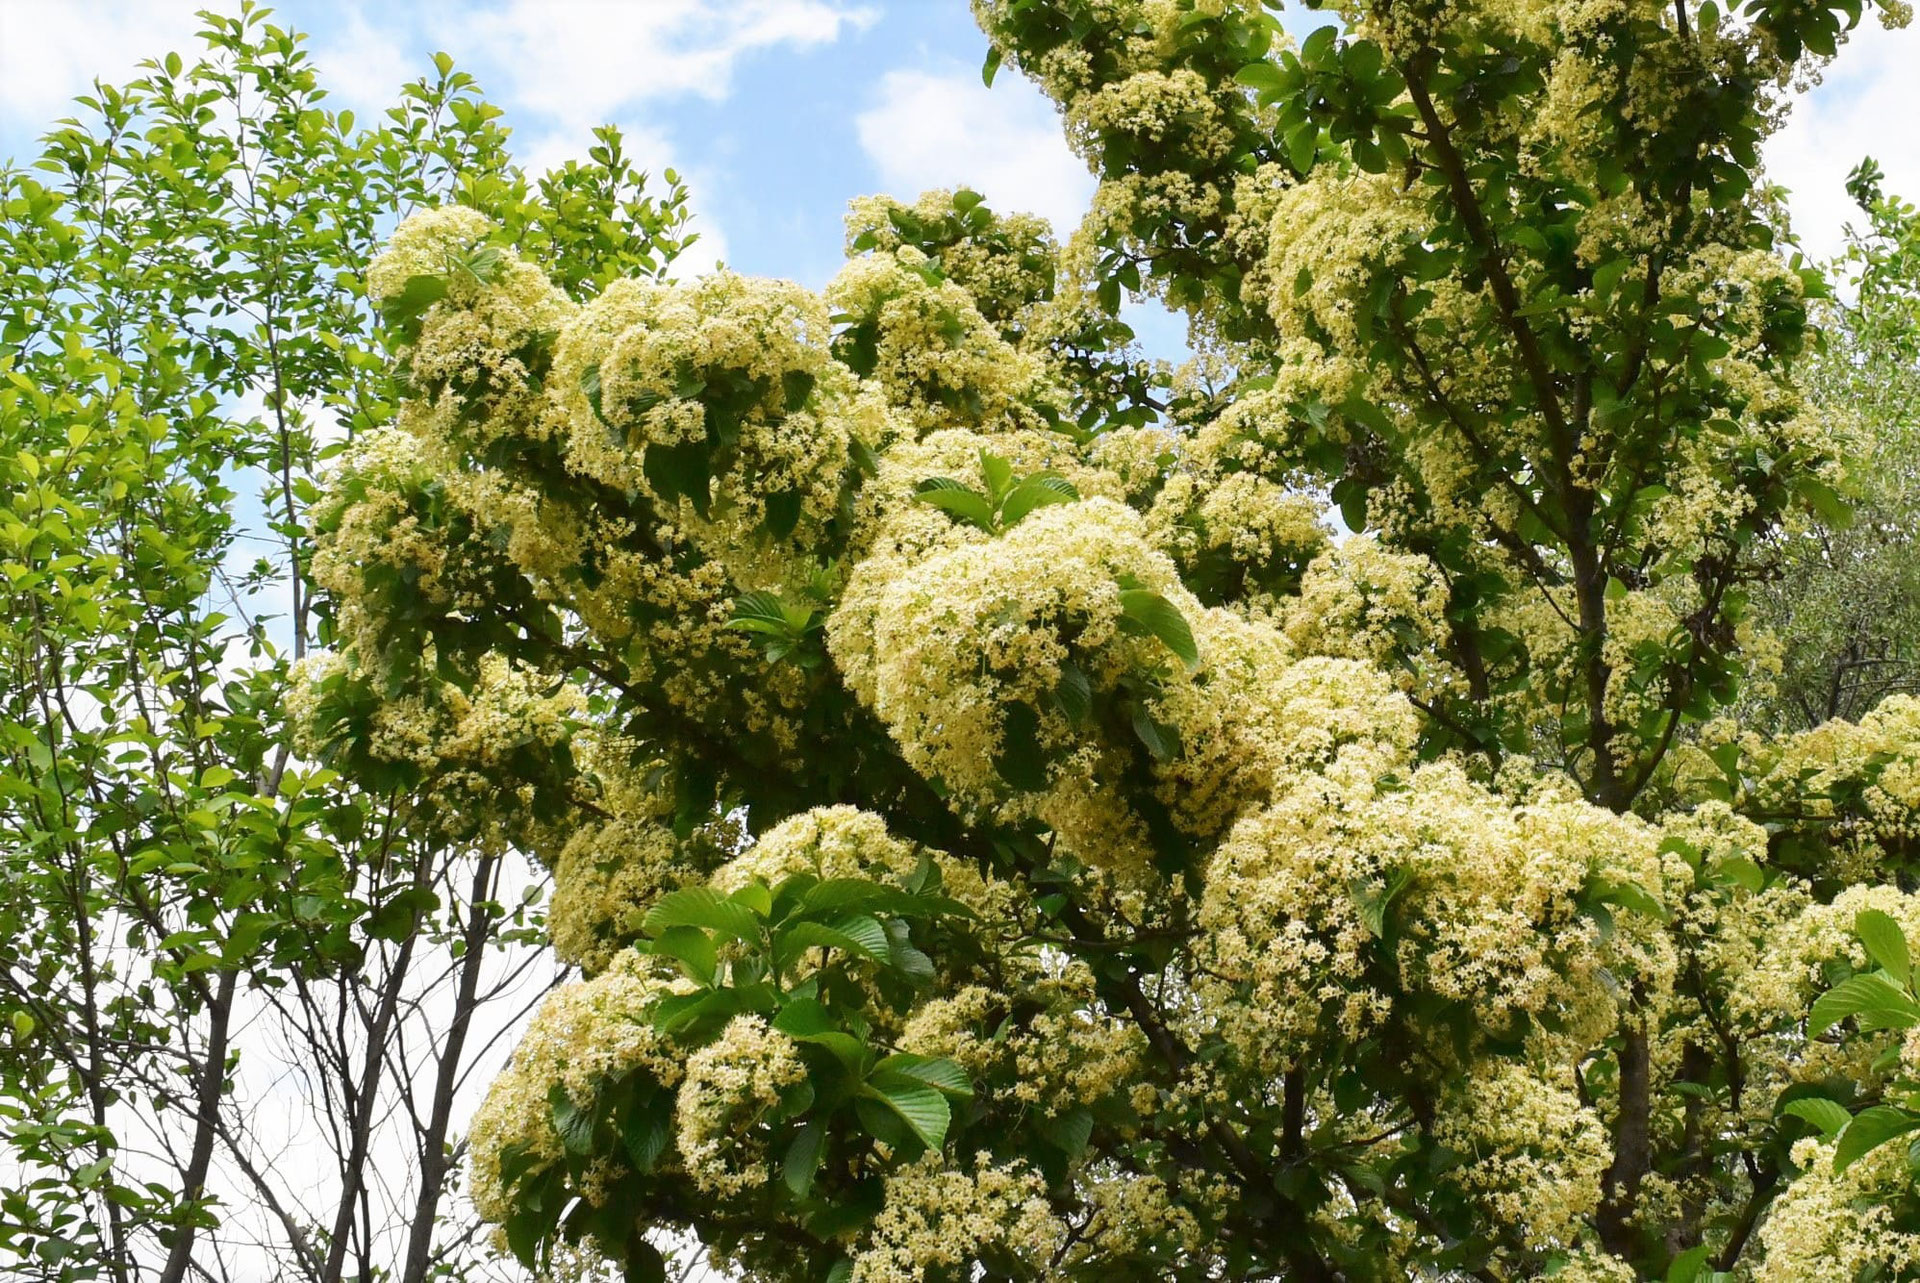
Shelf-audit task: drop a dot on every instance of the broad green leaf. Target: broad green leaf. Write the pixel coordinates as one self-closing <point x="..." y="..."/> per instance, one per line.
<point x="1872" y="997"/>
<point x="957" y="500"/>
<point x="941" y="1074"/>
<point x="573" y="1124"/>
<point x="1157" y="617"/>
<point x="691" y="947"/>
<point x="997" y="472"/>
<point x="1870" y="1129"/>
<point x="803" y="1158"/>
<point x="1885" y="942"/>
<point x="1691" y="1266"/>
<point x="803" y="1016"/>
<point x="1069" y="1132"/>
<point x="703" y="907"/>
<point x="793" y="941"/>
<point x="1034" y="492"/>
<point x="923" y="1109"/>
<point x="1827" y="1115"/>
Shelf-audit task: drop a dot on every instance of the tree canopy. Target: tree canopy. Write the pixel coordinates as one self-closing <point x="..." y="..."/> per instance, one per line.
<point x="1006" y="831"/>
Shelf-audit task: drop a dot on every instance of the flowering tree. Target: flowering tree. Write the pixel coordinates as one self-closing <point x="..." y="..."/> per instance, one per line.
<point x="1006" y="835"/>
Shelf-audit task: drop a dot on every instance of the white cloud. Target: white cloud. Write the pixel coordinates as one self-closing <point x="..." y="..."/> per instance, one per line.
<point x="926" y="130"/>
<point x="363" y="66"/>
<point x="1866" y="105"/>
<point x="582" y="63"/>
<point x="51" y="50"/>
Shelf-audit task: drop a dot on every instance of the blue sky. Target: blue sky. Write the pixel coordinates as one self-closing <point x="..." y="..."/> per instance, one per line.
<point x="779" y="111"/>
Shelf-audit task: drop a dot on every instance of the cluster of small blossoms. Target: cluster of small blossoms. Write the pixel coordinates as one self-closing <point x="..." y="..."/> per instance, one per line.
<point x="477" y="359"/>
<point x="730" y="1084"/>
<point x="1364" y="601"/>
<point x="939" y="1217"/>
<point x="582" y="1035"/>
<point x="1007" y="270"/>
<point x="968" y="633"/>
<point x="1486" y="895"/>
<point x="1533" y="1154"/>
<point x="1052" y="1049"/>
<point x="1132" y="1215"/>
<point x="1831" y="1225"/>
<point x="732" y="364"/>
<point x="1241" y="537"/>
<point x="460" y="743"/>
<point x="936" y="358"/>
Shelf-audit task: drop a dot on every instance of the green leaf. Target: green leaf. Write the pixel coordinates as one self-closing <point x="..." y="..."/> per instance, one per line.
<point x="1870" y="1129"/>
<point x="923" y="1109"/>
<point x="1155" y="616"/>
<point x="1872" y="997"/>
<point x="997" y="473"/>
<point x="940" y="1074"/>
<point x="703" y="907"/>
<point x="1690" y="1266"/>
<point x="803" y="1158"/>
<point x="1069" y="1132"/>
<point x="1630" y="896"/>
<point x="1036" y="491"/>
<point x="795" y="387"/>
<point x="1074" y="693"/>
<point x="802" y="1017"/>
<point x="865" y="931"/>
<point x="679" y="471"/>
<point x="1263" y="77"/>
<point x="573" y="1124"/>
<point x="403" y="311"/>
<point x="1827" y="1115"/>
<point x="645" y="1134"/>
<point x="1021" y="761"/>
<point x="956" y="500"/>
<point x="1162" y="741"/>
<point x="987" y="71"/>
<point x="692" y="948"/>
<point x="795" y="940"/>
<point x="1885" y="942"/>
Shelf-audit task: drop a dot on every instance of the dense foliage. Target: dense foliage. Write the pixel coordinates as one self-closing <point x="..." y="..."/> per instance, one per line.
<point x="1845" y="598"/>
<point x="184" y="907"/>
<point x="1004" y="832"/>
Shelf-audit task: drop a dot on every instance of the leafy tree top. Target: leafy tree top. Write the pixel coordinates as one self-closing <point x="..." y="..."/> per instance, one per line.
<point x="1007" y="832"/>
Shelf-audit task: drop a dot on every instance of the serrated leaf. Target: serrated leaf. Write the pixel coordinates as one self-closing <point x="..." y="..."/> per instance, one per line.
<point x="956" y="500"/>
<point x="692" y="948"/>
<point x="795" y="940"/>
<point x="645" y="1136"/>
<point x="1872" y="996"/>
<point x="572" y="1124"/>
<point x="1885" y="942"/>
<point x="940" y="1074"/>
<point x="1035" y="492"/>
<point x="1870" y="1129"/>
<point x="1160" y="618"/>
<point x="1827" y="1115"/>
<point x="1162" y="741"/>
<point x="1069" y="1132"/>
<point x="1074" y="692"/>
<point x="996" y="472"/>
<point x="703" y="907"/>
<point x="803" y="1158"/>
<point x="923" y="1109"/>
<point x="866" y="931"/>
